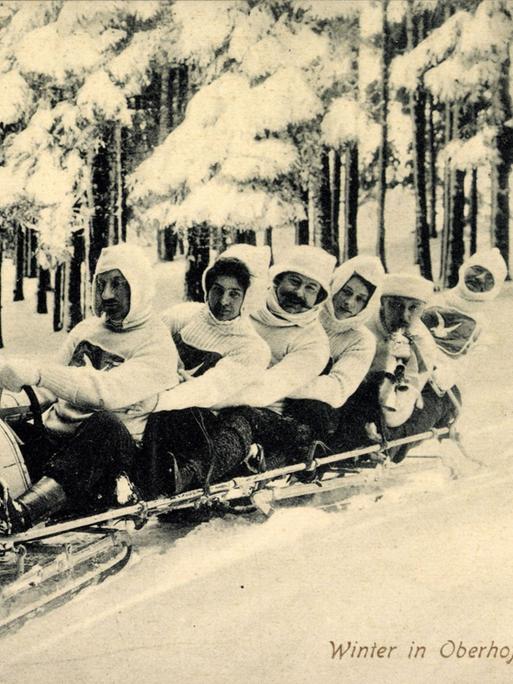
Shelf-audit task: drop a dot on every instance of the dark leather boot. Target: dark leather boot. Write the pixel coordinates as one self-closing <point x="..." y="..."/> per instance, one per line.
<point x="42" y="500"/>
<point x="12" y="514"/>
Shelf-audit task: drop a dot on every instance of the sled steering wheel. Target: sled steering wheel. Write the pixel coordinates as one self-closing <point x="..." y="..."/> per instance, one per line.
<point x="17" y="413"/>
<point x="35" y="407"/>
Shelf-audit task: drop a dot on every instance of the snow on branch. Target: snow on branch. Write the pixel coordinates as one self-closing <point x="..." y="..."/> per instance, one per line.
<point x="408" y="68"/>
<point x="479" y="150"/>
<point x="100" y="99"/>
<point x="45" y="51"/>
<point x="15" y="97"/>
<point x="259" y="159"/>
<point x="205" y="26"/>
<point x="330" y="9"/>
<point x="454" y="79"/>
<point x="486" y="33"/>
<point x="285" y="48"/>
<point x="29" y="16"/>
<point x="344" y="122"/>
<point x="249" y="31"/>
<point x="130" y="68"/>
<point x="283" y="99"/>
<point x="222" y="204"/>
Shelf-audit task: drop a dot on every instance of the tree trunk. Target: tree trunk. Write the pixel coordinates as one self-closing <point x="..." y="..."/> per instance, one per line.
<point x="456" y="245"/>
<point x="19" y="256"/>
<point x="181" y="94"/>
<point x="501" y="171"/>
<point x="453" y="238"/>
<point x="247" y="237"/>
<point x="268" y="238"/>
<point x="167" y="243"/>
<point x="423" y="251"/>
<point x="431" y="170"/>
<point x="449" y="125"/>
<point x="58" y="297"/>
<point x="30" y="257"/>
<point x="118" y="184"/>
<point x="302" y="232"/>
<point x="383" y="147"/>
<point x="351" y="189"/>
<point x="74" y="285"/>
<point x="472" y="212"/>
<point x="99" y="231"/>
<point x="335" y="203"/>
<point x="198" y="254"/>
<point x="1" y="317"/>
<point x="43" y="285"/>
<point x="164" y="104"/>
<point x="418" y="120"/>
<point x="322" y="205"/>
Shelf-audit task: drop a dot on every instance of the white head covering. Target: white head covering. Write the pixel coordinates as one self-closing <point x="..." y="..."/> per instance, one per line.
<point x="133" y="264"/>
<point x="312" y="262"/>
<point x="403" y="285"/>
<point x="370" y="269"/>
<point x="309" y="261"/>
<point x="492" y="260"/>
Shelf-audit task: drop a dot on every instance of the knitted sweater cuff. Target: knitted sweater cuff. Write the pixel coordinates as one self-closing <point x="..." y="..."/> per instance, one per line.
<point x="60" y="381"/>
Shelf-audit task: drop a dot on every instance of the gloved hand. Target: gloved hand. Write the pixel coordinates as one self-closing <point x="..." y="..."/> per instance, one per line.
<point x="16" y="372"/>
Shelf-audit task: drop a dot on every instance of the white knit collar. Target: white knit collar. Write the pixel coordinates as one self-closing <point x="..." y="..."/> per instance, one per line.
<point x="237" y="326"/>
<point x="273" y="315"/>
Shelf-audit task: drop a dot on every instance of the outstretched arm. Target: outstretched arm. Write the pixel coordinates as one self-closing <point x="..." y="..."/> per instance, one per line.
<point x="345" y="376"/>
<point x="295" y="369"/>
<point x="230" y="375"/>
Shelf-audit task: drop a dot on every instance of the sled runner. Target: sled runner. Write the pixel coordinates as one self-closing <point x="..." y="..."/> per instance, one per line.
<point x="44" y="574"/>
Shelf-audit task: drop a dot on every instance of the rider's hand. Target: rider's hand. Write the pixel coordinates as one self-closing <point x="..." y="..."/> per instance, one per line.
<point x="15" y="373"/>
<point x="372" y="432"/>
<point x="399" y="346"/>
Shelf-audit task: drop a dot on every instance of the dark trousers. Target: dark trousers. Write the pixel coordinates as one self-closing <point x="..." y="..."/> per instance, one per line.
<point x="363" y="407"/>
<point x="321" y="418"/>
<point x="213" y="444"/>
<point x="85" y="464"/>
<point x="284" y="438"/>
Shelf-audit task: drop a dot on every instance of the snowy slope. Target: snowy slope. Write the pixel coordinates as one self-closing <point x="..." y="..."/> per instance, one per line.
<point x="235" y="600"/>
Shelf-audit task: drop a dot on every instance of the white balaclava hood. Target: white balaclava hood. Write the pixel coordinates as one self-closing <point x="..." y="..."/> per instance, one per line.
<point x="137" y="270"/>
<point x="257" y="260"/>
<point x="492" y="260"/>
<point x="311" y="262"/>
<point x="370" y="269"/>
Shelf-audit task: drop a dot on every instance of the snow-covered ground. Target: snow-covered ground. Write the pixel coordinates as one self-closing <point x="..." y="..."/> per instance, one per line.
<point x="262" y="601"/>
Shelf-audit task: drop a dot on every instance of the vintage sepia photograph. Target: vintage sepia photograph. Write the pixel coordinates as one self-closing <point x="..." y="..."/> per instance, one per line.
<point x="256" y="318"/>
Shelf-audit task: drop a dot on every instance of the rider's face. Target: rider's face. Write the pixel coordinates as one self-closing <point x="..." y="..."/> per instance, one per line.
<point x="400" y="312"/>
<point x="225" y="298"/>
<point x="114" y="295"/>
<point x="479" y="279"/>
<point x="351" y="298"/>
<point x="297" y="293"/>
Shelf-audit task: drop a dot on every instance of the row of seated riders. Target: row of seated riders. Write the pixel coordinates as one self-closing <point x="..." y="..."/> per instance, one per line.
<point x="138" y="404"/>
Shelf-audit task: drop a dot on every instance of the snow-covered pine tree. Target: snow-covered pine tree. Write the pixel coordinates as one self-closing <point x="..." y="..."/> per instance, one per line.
<point x="69" y="70"/>
<point x="265" y="75"/>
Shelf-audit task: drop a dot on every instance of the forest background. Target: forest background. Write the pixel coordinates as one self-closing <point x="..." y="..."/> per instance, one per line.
<point x="190" y="125"/>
